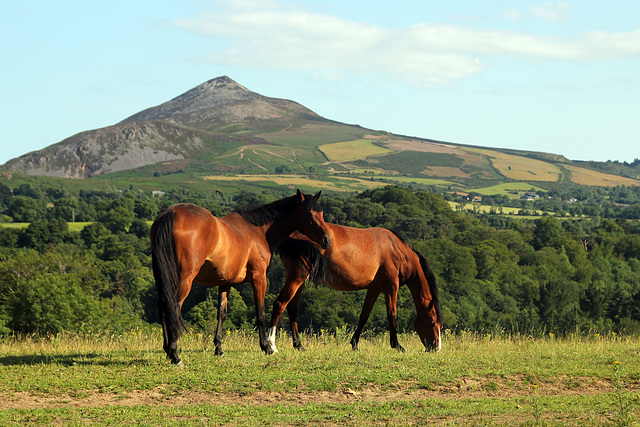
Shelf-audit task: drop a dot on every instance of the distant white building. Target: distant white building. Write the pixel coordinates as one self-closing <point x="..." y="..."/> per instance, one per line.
<point x="529" y="196"/>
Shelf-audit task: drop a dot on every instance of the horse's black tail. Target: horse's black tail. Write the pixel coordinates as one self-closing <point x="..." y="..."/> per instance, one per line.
<point x="165" y="271"/>
<point x="308" y="259"/>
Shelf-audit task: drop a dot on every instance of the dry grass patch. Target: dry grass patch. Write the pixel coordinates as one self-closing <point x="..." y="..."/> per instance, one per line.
<point x="521" y="168"/>
<point x="352" y="150"/>
<point x="598" y="179"/>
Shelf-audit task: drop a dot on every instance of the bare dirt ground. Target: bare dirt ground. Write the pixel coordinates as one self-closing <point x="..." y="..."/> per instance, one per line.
<point x="499" y="388"/>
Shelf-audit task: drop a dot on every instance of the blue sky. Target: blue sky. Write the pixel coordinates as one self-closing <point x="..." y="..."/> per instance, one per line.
<point x="558" y="76"/>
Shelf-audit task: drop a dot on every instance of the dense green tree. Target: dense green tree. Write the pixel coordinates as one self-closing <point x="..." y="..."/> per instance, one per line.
<point x="146" y="209"/>
<point x="117" y="219"/>
<point x="548" y="232"/>
<point x="548" y="274"/>
<point x="26" y="209"/>
<point x="64" y="209"/>
<point x="42" y="233"/>
<point x="93" y="234"/>
<point x="56" y="290"/>
<point x="5" y="195"/>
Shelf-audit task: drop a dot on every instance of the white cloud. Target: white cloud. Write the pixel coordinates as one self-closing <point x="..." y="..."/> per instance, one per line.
<point x="512" y="14"/>
<point x="424" y="54"/>
<point x="551" y="11"/>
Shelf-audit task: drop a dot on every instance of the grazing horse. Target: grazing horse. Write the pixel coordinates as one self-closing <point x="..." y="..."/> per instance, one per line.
<point x="375" y="259"/>
<point x="189" y="244"/>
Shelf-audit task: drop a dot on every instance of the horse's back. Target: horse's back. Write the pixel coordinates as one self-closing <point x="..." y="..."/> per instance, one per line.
<point x="377" y="242"/>
<point x="360" y="256"/>
<point x="191" y="212"/>
<point x="220" y="250"/>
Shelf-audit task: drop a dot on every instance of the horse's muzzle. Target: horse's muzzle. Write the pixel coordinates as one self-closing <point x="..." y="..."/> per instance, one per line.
<point x="326" y="242"/>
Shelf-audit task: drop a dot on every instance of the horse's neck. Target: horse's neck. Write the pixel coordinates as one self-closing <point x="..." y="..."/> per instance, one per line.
<point x="277" y="231"/>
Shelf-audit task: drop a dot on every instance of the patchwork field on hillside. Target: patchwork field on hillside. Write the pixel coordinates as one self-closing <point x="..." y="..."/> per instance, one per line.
<point x="337" y="183"/>
<point x="521" y="168"/>
<point x="351" y="150"/>
<point x="511" y="189"/>
<point x="584" y="176"/>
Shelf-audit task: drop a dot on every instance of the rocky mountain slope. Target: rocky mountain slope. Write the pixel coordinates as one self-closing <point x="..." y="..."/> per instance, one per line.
<point x="185" y="127"/>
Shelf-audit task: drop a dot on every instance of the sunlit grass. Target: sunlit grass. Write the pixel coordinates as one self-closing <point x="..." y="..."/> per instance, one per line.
<point x="520" y="167"/>
<point x="584" y="176"/>
<point x="586" y="379"/>
<point x="351" y="150"/>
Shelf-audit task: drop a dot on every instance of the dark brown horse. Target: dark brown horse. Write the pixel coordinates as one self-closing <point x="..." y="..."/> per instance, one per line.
<point x="374" y="259"/>
<point x="189" y="244"/>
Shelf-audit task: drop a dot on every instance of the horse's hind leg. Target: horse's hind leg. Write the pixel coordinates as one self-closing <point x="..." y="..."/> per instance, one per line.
<point x="223" y="298"/>
<point x="391" y="300"/>
<point x="170" y="335"/>
<point x="369" y="301"/>
<point x="292" y="310"/>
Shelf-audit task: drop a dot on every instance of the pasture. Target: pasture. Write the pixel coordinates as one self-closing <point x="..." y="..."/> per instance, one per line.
<point x="334" y="183"/>
<point x="351" y="150"/>
<point x="520" y="167"/>
<point x="512" y="190"/>
<point x="475" y="379"/>
<point x="584" y="176"/>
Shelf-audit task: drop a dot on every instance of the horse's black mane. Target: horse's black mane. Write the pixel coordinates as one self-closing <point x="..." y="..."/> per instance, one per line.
<point x="270" y="212"/>
<point x="428" y="272"/>
<point x="307" y="257"/>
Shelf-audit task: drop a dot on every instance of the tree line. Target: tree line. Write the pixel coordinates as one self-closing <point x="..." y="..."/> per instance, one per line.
<point x="547" y="275"/>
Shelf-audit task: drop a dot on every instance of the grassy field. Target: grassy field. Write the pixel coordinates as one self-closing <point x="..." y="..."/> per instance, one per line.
<point x="584" y="176"/>
<point x="73" y="226"/>
<point x="293" y="181"/>
<point x="351" y="150"/>
<point x="502" y="210"/>
<point x="511" y="189"/>
<point x="521" y="168"/>
<point x="475" y="379"/>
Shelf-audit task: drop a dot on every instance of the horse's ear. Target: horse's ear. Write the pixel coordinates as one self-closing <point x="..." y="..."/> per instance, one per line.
<point x="300" y="196"/>
<point x="317" y="196"/>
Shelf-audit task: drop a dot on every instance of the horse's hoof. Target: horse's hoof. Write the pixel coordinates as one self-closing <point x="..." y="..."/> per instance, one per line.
<point x="180" y="364"/>
<point x="271" y="349"/>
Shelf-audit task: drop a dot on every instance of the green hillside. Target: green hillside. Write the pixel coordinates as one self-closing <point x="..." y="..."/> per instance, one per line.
<point x="222" y="135"/>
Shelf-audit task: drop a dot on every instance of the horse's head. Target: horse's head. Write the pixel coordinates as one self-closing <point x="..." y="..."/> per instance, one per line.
<point x="310" y="220"/>
<point x="428" y="326"/>
<point x="429" y="320"/>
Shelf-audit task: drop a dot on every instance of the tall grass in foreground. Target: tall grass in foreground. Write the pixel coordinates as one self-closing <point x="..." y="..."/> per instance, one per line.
<point x="475" y="379"/>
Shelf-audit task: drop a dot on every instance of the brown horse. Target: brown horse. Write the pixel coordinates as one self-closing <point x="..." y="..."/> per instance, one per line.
<point x="374" y="259"/>
<point x="189" y="244"/>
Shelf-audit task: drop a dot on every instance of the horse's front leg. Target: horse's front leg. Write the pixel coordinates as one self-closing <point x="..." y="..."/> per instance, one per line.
<point x="288" y="298"/>
<point x="223" y="299"/>
<point x="259" y="290"/>
<point x="391" y="299"/>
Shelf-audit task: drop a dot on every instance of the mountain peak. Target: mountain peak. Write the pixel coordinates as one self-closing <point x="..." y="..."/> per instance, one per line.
<point x="210" y="95"/>
<point x="222" y="82"/>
